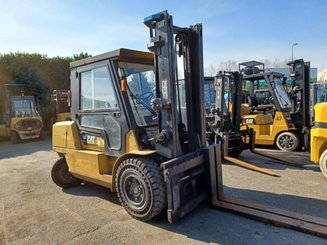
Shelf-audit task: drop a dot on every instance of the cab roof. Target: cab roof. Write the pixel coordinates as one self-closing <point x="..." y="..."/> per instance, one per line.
<point x="126" y="55"/>
<point x="261" y="76"/>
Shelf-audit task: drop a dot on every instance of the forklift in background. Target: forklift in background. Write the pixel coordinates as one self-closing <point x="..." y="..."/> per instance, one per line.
<point x="226" y="129"/>
<point x="318" y="137"/>
<point x="60" y="106"/>
<point x="285" y="120"/>
<point x="19" y="118"/>
<point x="318" y="93"/>
<point x="128" y="133"/>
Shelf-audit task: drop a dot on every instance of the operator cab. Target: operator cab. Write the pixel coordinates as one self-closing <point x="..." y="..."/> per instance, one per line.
<point x="116" y="89"/>
<point x="141" y="89"/>
<point x="281" y="120"/>
<point x="269" y="100"/>
<point x="23" y="106"/>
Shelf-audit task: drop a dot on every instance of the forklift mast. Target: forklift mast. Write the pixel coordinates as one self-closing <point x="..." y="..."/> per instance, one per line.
<point x="228" y="88"/>
<point x="61" y="100"/>
<point x="168" y="42"/>
<point x="300" y="75"/>
<point x="181" y="140"/>
<point x="300" y="90"/>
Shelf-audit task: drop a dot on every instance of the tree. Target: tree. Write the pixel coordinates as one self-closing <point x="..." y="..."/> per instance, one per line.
<point x="39" y="73"/>
<point x="80" y="56"/>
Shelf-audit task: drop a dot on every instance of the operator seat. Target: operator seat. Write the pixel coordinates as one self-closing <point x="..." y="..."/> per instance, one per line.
<point x="253" y="104"/>
<point x="259" y="118"/>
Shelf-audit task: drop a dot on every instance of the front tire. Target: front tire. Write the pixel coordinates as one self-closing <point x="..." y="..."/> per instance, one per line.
<point x="237" y="142"/>
<point x="323" y="163"/>
<point x="61" y="176"/>
<point x="14" y="137"/>
<point x="141" y="188"/>
<point x="287" y="141"/>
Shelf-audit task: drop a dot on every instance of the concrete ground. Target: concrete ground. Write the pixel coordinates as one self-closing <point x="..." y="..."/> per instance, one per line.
<point x="33" y="210"/>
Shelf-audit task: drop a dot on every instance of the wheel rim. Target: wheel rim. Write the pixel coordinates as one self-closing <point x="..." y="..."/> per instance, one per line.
<point x="287" y="141"/>
<point x="134" y="190"/>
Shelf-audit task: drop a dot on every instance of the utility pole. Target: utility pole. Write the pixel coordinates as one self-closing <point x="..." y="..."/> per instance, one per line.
<point x="294" y="44"/>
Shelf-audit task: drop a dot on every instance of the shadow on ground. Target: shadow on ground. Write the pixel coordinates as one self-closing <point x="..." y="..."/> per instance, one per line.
<point x="8" y="150"/>
<point x="301" y="159"/>
<point x="90" y="189"/>
<point x="210" y="225"/>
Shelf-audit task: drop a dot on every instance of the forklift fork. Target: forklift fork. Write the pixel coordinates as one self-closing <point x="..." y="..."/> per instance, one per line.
<point x="239" y="162"/>
<point x="279" y="160"/>
<point x="280" y="217"/>
<point x="251" y="146"/>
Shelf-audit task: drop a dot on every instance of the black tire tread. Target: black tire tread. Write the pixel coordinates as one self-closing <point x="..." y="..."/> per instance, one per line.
<point x="153" y="176"/>
<point x="60" y="181"/>
<point x="14" y="137"/>
<point x="235" y="153"/>
<point x="322" y="163"/>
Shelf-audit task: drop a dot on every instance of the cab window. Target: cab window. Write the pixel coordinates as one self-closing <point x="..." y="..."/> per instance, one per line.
<point x="98" y="102"/>
<point x="97" y="92"/>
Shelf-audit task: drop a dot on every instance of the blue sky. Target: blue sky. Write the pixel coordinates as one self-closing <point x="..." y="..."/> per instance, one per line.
<point x="237" y="30"/>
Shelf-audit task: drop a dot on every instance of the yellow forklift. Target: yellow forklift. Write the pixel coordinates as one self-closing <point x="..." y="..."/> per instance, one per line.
<point x="19" y="117"/>
<point x="60" y="106"/>
<point x="128" y="133"/>
<point x="318" y="137"/>
<point x="284" y="120"/>
<point x="318" y="93"/>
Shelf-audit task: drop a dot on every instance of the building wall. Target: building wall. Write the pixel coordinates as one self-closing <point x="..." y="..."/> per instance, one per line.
<point x="322" y="75"/>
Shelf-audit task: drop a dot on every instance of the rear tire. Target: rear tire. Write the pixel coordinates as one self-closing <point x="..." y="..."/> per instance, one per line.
<point x="235" y="153"/>
<point x="141" y="188"/>
<point x="323" y="163"/>
<point x="61" y="176"/>
<point x="14" y="137"/>
<point x="287" y="141"/>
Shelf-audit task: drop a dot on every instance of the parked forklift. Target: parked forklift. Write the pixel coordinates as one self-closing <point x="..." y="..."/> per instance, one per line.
<point x="318" y="137"/>
<point x="318" y="93"/>
<point x="128" y="134"/>
<point x="60" y="106"/>
<point x="284" y="121"/>
<point x="19" y="117"/>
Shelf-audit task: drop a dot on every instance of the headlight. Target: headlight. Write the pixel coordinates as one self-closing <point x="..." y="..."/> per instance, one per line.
<point x="19" y="125"/>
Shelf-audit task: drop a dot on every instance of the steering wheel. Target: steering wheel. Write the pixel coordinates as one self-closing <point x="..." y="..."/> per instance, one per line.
<point x="147" y="96"/>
